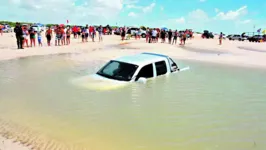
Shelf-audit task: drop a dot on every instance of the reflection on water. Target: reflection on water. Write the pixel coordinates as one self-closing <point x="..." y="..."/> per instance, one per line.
<point x="209" y="107"/>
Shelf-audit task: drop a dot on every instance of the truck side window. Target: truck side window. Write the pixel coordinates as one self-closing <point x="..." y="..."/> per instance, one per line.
<point x="161" y="68"/>
<point x="145" y="72"/>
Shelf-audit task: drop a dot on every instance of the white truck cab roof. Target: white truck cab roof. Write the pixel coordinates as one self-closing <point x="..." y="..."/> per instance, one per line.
<point x="142" y="59"/>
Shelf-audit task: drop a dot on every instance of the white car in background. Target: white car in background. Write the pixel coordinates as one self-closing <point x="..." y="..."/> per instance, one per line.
<point x="138" y="68"/>
<point x="134" y="30"/>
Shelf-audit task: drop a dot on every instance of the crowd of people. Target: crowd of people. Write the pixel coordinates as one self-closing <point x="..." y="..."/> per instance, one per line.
<point x="26" y="35"/>
<point x="153" y="35"/>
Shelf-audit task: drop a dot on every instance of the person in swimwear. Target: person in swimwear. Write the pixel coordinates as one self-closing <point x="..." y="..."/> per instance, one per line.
<point x="25" y="36"/>
<point x="39" y="38"/>
<point x="32" y="37"/>
<point x="100" y="30"/>
<point x="48" y="35"/>
<point x="58" y="35"/>
<point x="68" y="33"/>
<point x="63" y="36"/>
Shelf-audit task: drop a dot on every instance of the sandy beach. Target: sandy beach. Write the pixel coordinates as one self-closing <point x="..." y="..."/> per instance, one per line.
<point x="244" y="54"/>
<point x="231" y="52"/>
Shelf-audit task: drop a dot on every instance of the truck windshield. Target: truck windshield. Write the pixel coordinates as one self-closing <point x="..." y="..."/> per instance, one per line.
<point x="118" y="70"/>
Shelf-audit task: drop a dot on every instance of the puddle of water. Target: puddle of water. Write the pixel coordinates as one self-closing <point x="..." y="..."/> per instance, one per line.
<point x="209" y="107"/>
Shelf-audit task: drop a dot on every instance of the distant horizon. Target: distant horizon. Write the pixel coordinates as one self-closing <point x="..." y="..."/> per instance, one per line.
<point x="123" y="25"/>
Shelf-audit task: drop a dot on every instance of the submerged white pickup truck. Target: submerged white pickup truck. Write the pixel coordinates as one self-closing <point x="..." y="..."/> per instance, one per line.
<point x="138" y="68"/>
<point x="122" y="71"/>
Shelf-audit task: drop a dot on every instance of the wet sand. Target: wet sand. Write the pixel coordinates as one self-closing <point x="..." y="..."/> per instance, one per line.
<point x="243" y="54"/>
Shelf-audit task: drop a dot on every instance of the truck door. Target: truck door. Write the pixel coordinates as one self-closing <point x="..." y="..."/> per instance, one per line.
<point x="145" y="72"/>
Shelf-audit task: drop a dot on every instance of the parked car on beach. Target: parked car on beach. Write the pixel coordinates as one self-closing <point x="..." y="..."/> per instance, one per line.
<point x="134" y="30"/>
<point x="7" y="29"/>
<point x="208" y="35"/>
<point x="256" y="38"/>
<point x="135" y="68"/>
<point x="237" y="37"/>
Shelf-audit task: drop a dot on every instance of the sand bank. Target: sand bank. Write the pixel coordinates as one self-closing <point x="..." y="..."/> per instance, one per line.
<point x="231" y="53"/>
<point x="7" y="144"/>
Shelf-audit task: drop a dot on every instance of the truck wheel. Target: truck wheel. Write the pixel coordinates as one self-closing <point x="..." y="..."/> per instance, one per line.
<point x="143" y="36"/>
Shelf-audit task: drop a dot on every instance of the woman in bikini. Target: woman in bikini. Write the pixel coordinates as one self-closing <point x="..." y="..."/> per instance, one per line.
<point x="32" y="37"/>
<point x="25" y="36"/>
<point x="48" y="35"/>
<point x="68" y="33"/>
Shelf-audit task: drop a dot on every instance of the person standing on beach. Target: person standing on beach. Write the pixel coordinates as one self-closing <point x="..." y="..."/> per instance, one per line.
<point x="39" y="38"/>
<point x="147" y="35"/>
<point x="100" y="30"/>
<point x="123" y="34"/>
<point x="154" y="35"/>
<point x="93" y="33"/>
<point x="75" y="31"/>
<point x="32" y="36"/>
<point x="220" y="38"/>
<point x="184" y="38"/>
<point x="163" y="34"/>
<point x="19" y="34"/>
<point x="58" y="36"/>
<point x="86" y="33"/>
<point x="1" y="29"/>
<point x="25" y="36"/>
<point x="68" y="33"/>
<point x="48" y="35"/>
<point x="170" y="33"/>
<point x="175" y="37"/>
<point x="63" y="32"/>
<point x="83" y="30"/>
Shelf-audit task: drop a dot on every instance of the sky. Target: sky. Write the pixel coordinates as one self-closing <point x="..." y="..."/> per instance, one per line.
<point x="227" y="16"/>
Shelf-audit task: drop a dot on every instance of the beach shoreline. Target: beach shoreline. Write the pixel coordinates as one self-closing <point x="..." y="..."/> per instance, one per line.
<point x="230" y="53"/>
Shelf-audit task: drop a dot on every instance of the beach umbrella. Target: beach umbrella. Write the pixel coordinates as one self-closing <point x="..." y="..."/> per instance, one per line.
<point x="165" y="29"/>
<point x="264" y="31"/>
